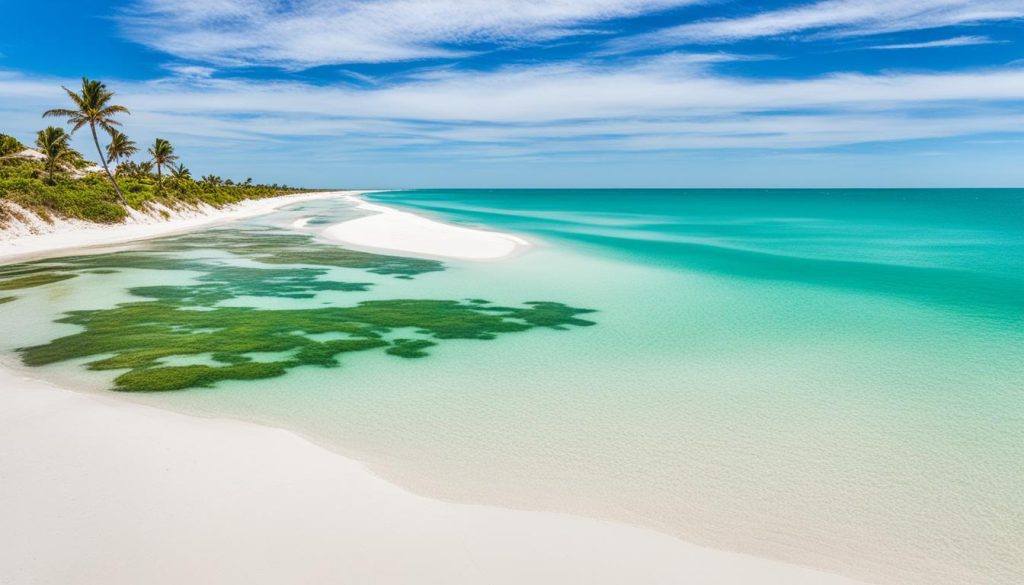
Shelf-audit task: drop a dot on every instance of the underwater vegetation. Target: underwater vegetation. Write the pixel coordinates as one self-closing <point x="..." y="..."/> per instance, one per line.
<point x="140" y="336"/>
<point x="273" y="247"/>
<point x="33" y="280"/>
<point x="181" y="336"/>
<point x="264" y="246"/>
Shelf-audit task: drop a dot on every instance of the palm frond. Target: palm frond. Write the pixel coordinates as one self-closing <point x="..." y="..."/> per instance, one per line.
<point x="74" y="97"/>
<point x="60" y="113"/>
<point x="111" y="110"/>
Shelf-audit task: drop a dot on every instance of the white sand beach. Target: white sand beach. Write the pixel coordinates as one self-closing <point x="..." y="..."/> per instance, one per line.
<point x="96" y="489"/>
<point x="389" y="229"/>
<point x="23" y="240"/>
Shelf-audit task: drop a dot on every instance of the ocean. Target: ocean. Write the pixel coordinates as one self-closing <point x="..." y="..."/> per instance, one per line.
<point x="833" y="378"/>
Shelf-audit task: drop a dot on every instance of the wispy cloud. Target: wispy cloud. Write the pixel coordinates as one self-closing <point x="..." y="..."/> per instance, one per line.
<point x="306" y="33"/>
<point x="962" y="41"/>
<point x="830" y="18"/>
<point x="189" y="70"/>
<point x="645" y="104"/>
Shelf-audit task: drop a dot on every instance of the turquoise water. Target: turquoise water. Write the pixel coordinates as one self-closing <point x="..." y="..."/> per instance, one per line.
<point x="960" y="248"/>
<point x="832" y="378"/>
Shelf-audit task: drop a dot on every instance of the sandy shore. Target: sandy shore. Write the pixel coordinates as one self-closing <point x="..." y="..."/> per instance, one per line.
<point x="391" y="230"/>
<point x="16" y="244"/>
<point x="98" y="490"/>
<point x="101" y="490"/>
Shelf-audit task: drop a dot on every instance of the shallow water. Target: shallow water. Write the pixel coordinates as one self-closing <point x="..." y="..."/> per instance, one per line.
<point x="833" y="378"/>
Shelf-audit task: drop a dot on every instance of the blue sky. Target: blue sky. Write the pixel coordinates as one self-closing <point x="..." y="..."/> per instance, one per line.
<point x="558" y="93"/>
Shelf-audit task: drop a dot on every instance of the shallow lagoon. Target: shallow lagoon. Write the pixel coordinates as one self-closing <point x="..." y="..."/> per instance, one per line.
<point x="869" y="423"/>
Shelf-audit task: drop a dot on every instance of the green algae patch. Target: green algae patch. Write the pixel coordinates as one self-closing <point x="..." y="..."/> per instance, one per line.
<point x="229" y="282"/>
<point x="13" y="270"/>
<point x="410" y="348"/>
<point x="186" y="335"/>
<point x="4" y="300"/>
<point x="263" y="246"/>
<point x="138" y="336"/>
<point x="162" y="379"/>
<point x="271" y="247"/>
<point x="34" y="280"/>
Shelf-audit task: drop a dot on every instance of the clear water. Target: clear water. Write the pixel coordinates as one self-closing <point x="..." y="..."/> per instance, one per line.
<point x="833" y="378"/>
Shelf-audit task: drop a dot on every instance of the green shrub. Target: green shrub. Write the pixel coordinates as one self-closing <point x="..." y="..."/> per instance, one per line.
<point x="9" y="145"/>
<point x="91" y="198"/>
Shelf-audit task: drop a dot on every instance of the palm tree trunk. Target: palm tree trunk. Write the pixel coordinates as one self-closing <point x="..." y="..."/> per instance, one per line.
<point x="103" y="160"/>
<point x="159" y="178"/>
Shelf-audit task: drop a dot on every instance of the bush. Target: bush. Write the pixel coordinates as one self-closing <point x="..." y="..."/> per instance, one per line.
<point x="9" y="145"/>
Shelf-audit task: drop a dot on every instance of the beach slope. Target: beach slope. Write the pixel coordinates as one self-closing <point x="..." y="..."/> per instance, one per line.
<point x="97" y="490"/>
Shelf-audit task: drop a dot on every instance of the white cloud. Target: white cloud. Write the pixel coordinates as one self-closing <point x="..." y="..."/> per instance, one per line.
<point x="646" y="88"/>
<point x="306" y="33"/>
<point x="831" y="18"/>
<point x="667" y="103"/>
<point x="962" y="41"/>
<point x="190" y="70"/>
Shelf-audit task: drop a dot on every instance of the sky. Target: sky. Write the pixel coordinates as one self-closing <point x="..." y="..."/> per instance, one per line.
<point x="544" y="93"/>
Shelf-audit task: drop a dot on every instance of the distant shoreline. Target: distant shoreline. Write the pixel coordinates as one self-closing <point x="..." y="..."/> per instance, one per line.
<point x="73" y="235"/>
<point x="386" y="230"/>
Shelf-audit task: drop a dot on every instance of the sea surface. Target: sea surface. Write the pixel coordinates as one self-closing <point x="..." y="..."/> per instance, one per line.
<point x="833" y="378"/>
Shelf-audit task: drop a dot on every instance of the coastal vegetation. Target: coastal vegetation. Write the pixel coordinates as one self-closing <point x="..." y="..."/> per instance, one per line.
<point x="53" y="180"/>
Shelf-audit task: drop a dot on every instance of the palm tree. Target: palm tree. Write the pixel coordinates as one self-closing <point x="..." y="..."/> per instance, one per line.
<point x="163" y="154"/>
<point x="135" y="170"/>
<point x="120" y="147"/>
<point x="180" y="173"/>
<point x="55" y="144"/>
<point x="93" y="108"/>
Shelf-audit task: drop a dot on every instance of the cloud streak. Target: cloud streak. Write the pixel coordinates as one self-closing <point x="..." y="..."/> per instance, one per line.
<point x="962" y="41"/>
<point x="306" y="33"/>
<point x="829" y="18"/>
